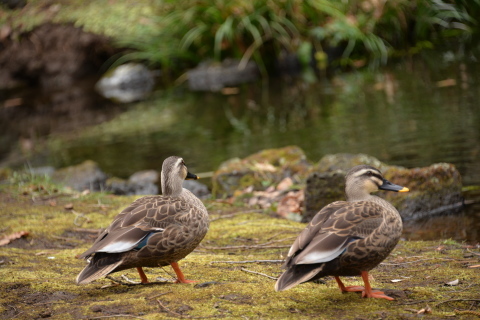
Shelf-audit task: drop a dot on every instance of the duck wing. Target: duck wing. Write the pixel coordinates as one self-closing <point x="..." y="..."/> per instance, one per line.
<point x="332" y="229"/>
<point x="137" y="222"/>
<point x="326" y="238"/>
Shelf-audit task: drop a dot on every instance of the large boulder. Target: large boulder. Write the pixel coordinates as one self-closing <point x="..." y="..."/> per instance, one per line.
<point x="434" y="189"/>
<point x="126" y="83"/>
<point x="260" y="170"/>
<point x="85" y="176"/>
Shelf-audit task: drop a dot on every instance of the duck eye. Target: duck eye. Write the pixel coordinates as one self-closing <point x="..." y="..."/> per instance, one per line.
<point x="369" y="173"/>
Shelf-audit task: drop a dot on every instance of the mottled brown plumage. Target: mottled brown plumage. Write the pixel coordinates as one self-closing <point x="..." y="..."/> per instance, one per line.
<point x="347" y="238"/>
<point x="153" y="231"/>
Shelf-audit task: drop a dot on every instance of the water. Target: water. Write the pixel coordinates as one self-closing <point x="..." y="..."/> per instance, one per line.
<point x="410" y="115"/>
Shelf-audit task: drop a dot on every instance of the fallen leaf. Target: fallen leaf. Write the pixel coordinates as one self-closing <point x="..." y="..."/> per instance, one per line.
<point x="446" y="83"/>
<point x="452" y="283"/>
<point x="396" y="280"/>
<point x="427" y="309"/>
<point x="13" y="236"/>
<point x="68" y="206"/>
<point x="475" y="266"/>
<point x="285" y="184"/>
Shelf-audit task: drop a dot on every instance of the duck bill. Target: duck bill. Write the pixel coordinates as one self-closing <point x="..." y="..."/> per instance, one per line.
<point x="387" y="185"/>
<point x="191" y="176"/>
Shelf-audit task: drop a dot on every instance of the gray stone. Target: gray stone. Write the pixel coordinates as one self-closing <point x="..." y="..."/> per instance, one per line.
<point x="126" y="83"/>
<point x="85" y="176"/>
<point x="197" y="188"/>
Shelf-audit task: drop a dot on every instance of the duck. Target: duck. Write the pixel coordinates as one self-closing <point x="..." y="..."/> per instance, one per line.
<point x="347" y="238"/>
<point x="153" y="231"/>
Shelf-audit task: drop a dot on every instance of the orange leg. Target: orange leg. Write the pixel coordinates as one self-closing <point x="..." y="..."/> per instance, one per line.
<point x="369" y="293"/>
<point x="366" y="291"/>
<point x="180" y="276"/>
<point x="142" y="275"/>
<point x="349" y="288"/>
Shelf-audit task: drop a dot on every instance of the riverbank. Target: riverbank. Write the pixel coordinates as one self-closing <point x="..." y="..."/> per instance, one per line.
<point x="37" y="271"/>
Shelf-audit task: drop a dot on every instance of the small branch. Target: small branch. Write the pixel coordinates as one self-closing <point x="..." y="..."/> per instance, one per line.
<point x="397" y="264"/>
<point x="475" y="253"/>
<point x="249" y="261"/>
<point x="235" y="214"/>
<point x="96" y="231"/>
<point x="451" y="300"/>
<point x="261" y="274"/>
<point x="158" y="295"/>
<point x="117" y="315"/>
<point x="258" y="246"/>
<point x="175" y="314"/>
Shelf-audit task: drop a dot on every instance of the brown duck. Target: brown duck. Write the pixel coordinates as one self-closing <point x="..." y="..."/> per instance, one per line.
<point x="347" y="238"/>
<point x="153" y="231"/>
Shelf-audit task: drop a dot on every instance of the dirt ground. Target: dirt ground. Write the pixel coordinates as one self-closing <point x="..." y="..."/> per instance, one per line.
<point x="435" y="279"/>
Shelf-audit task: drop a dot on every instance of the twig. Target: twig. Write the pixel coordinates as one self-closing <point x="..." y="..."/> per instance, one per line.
<point x="117" y="315"/>
<point x="259" y="273"/>
<point x="235" y="214"/>
<point x="263" y="245"/>
<point x="478" y="300"/>
<point x="397" y="264"/>
<point x="124" y="277"/>
<point x="249" y="261"/>
<point x="161" y="294"/>
<point x="171" y="311"/>
<point x="66" y="239"/>
<point x="477" y="254"/>
<point x="467" y="312"/>
<point x="96" y="231"/>
<point x="415" y="302"/>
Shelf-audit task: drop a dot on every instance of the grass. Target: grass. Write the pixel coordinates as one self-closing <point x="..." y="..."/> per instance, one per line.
<point x="37" y="272"/>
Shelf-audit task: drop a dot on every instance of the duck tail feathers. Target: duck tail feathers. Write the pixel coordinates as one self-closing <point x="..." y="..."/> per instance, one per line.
<point x="97" y="268"/>
<point x="297" y="274"/>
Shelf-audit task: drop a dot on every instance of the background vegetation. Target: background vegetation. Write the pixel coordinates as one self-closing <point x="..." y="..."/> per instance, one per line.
<point x="179" y="33"/>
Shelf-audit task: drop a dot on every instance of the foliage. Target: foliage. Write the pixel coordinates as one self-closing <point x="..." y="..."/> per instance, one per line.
<point x="192" y="31"/>
<point x="181" y="33"/>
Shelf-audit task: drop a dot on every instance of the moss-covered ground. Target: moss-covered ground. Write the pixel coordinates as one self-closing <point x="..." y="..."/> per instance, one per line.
<point x="37" y="272"/>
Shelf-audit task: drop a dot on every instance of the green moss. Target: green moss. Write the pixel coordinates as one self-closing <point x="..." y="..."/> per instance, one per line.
<point x="32" y="282"/>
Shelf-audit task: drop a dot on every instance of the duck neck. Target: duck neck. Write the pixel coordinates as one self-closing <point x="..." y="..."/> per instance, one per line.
<point x="169" y="187"/>
<point x="357" y="194"/>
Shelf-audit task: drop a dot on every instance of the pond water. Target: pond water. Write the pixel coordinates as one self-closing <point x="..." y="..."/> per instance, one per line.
<point x="412" y="115"/>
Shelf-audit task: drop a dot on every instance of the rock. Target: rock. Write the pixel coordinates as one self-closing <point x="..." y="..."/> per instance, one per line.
<point x="42" y="171"/>
<point x="144" y="182"/>
<point x="321" y="189"/>
<point x="433" y="190"/>
<point x="140" y="183"/>
<point x="260" y="170"/>
<point x="197" y="188"/>
<point x="126" y="83"/>
<point x="214" y="77"/>
<point x="85" y="176"/>
<point x="346" y="161"/>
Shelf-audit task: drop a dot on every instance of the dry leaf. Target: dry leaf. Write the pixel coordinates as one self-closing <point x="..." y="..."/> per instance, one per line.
<point x="13" y="236"/>
<point x="427" y="309"/>
<point x="265" y="166"/>
<point x="475" y="266"/>
<point x="396" y="280"/>
<point x="452" y="283"/>
<point x="68" y="206"/>
<point x="285" y="184"/>
<point x="446" y="83"/>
